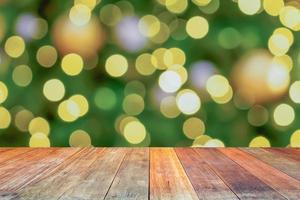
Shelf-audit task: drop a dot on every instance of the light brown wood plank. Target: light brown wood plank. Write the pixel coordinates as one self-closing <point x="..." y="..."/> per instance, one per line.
<point x="167" y="177"/>
<point x="291" y="153"/>
<point x="281" y="182"/>
<point x="280" y="162"/>
<point x="29" y="167"/>
<point x="132" y="179"/>
<point x="205" y="181"/>
<point x="10" y="153"/>
<point x="99" y="178"/>
<point x="241" y="182"/>
<point x="87" y="176"/>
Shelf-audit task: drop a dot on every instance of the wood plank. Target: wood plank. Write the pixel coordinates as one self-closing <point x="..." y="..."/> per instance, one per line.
<point x="241" y="182"/>
<point x="280" y="162"/>
<point x="167" y="177"/>
<point x="88" y="176"/>
<point x="205" y="181"/>
<point x="281" y="182"/>
<point x="29" y="167"/>
<point x="291" y="153"/>
<point x="132" y="179"/>
<point x="10" y="153"/>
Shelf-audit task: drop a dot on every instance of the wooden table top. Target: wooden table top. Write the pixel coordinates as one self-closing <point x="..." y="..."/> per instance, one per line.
<point x="149" y="173"/>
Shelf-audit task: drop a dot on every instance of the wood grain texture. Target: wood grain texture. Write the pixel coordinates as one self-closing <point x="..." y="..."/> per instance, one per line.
<point x="291" y="153"/>
<point x="75" y="179"/>
<point x="241" y="182"/>
<point x="30" y="166"/>
<point x="132" y="179"/>
<point x="206" y="182"/>
<point x="167" y="177"/>
<point x="148" y="173"/>
<point x="278" y="161"/>
<point x="281" y="182"/>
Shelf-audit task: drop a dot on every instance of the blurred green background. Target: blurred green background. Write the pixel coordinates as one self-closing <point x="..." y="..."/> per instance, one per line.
<point x="128" y="61"/>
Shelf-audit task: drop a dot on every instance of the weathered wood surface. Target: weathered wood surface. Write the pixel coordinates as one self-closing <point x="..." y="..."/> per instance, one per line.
<point x="149" y="173"/>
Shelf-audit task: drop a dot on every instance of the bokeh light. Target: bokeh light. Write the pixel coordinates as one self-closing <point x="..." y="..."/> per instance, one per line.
<point x="80" y="138"/>
<point x="5" y="118"/>
<point x="134" y="132"/>
<point x="201" y="73"/>
<point x="116" y="65"/>
<point x="14" y="46"/>
<point x="54" y="90"/>
<point x="197" y="27"/>
<point x="3" y="92"/>
<point x="188" y="101"/>
<point x="72" y="64"/>
<point x="259" y="141"/>
<point x="284" y="115"/>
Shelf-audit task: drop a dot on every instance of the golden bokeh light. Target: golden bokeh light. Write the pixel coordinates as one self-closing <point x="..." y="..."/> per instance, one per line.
<point x="134" y="132"/>
<point x="82" y="104"/>
<point x="249" y="7"/>
<point x="290" y="17"/>
<point x="54" y="90"/>
<point x="259" y="141"/>
<point x="68" y="111"/>
<point x="217" y="86"/>
<point x="294" y="92"/>
<point x="46" y="56"/>
<point x="80" y="14"/>
<point x="283" y="61"/>
<point x="5" y="118"/>
<point x="123" y="121"/>
<point x="284" y="115"/>
<point x="22" y="119"/>
<point x="158" y="58"/>
<point x="39" y="140"/>
<point x="273" y="7"/>
<point x="169" y="108"/>
<point x="144" y="65"/>
<point x="201" y="140"/>
<point x="22" y="75"/>
<point x="72" y="64"/>
<point x="188" y="101"/>
<point x="116" y="65"/>
<point x="133" y="104"/>
<point x="14" y="46"/>
<point x="295" y="139"/>
<point x="174" y="56"/>
<point x="89" y="3"/>
<point x="149" y="25"/>
<point x="197" y="27"/>
<point x="39" y="125"/>
<point x="201" y="2"/>
<point x="3" y="92"/>
<point x="80" y="138"/>
<point x="176" y="6"/>
<point x="193" y="127"/>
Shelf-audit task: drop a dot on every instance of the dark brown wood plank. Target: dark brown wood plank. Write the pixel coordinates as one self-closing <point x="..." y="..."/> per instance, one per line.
<point x="88" y="176"/>
<point x="132" y="179"/>
<point x="167" y="177"/>
<point x="281" y="182"/>
<point x="241" y="182"/>
<point x="292" y="168"/>
<point x="291" y="153"/>
<point x="205" y="181"/>
<point x="29" y="167"/>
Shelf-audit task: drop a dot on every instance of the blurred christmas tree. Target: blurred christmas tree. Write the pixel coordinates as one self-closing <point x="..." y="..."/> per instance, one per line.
<point x="149" y="73"/>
